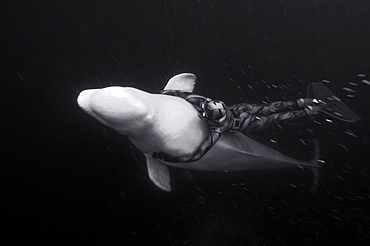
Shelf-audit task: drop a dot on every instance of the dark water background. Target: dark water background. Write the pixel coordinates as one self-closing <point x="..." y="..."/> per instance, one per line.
<point x="68" y="179"/>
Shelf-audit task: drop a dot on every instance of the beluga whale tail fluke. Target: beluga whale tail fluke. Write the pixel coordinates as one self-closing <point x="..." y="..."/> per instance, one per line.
<point x="167" y="126"/>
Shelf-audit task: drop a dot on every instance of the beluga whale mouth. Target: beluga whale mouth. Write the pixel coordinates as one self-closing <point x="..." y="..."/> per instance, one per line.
<point x="160" y="123"/>
<point x="83" y="99"/>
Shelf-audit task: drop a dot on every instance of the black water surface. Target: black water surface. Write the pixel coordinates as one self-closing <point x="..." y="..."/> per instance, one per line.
<point x="68" y="179"/>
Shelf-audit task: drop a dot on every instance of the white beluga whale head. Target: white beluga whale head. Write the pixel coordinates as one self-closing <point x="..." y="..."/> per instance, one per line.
<point x="163" y="123"/>
<point x="117" y="107"/>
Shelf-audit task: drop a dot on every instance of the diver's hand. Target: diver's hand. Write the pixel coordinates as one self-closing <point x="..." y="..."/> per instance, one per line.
<point x="304" y="102"/>
<point x="312" y="109"/>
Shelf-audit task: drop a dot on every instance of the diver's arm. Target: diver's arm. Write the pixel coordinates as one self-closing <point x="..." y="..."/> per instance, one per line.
<point x="176" y="93"/>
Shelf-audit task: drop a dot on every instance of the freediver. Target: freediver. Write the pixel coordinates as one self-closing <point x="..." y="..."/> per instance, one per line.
<point x="247" y="118"/>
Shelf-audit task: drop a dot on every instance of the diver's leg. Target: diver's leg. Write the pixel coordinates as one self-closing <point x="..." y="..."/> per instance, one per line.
<point x="271" y="108"/>
<point x="256" y="123"/>
<point x="280" y="106"/>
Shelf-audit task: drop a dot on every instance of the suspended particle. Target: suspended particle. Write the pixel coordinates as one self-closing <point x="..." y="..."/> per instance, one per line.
<point x="350" y="96"/>
<point x="361" y="75"/>
<point x="325" y="81"/>
<point x="321" y="161"/>
<point x="114" y="58"/>
<point x="345" y="171"/>
<point x="365" y="81"/>
<point x="343" y="146"/>
<point x="350" y="133"/>
<point x="354" y="84"/>
<point x="336" y="98"/>
<point x="339" y="177"/>
<point x="302" y="141"/>
<point x="329" y="120"/>
<point x="348" y="89"/>
<point x="338" y="197"/>
<point x="122" y="194"/>
<point x="20" y="76"/>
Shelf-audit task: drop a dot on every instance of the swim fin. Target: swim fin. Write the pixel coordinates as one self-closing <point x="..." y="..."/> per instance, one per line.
<point x="331" y="104"/>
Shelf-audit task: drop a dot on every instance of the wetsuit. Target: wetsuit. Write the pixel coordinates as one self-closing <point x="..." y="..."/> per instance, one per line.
<point x="242" y="117"/>
<point x="254" y="117"/>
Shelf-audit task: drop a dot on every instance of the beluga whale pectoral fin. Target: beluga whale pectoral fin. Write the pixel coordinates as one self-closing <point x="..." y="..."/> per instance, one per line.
<point x="184" y="82"/>
<point x="158" y="173"/>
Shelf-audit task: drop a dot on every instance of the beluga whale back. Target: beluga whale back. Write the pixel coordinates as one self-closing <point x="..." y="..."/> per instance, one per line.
<point x="164" y="123"/>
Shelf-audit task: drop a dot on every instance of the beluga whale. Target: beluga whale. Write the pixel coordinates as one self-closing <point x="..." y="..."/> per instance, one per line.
<point x="170" y="124"/>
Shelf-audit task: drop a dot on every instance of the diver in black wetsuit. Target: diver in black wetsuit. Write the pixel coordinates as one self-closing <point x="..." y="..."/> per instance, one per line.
<point x="247" y="117"/>
<point x="242" y="117"/>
